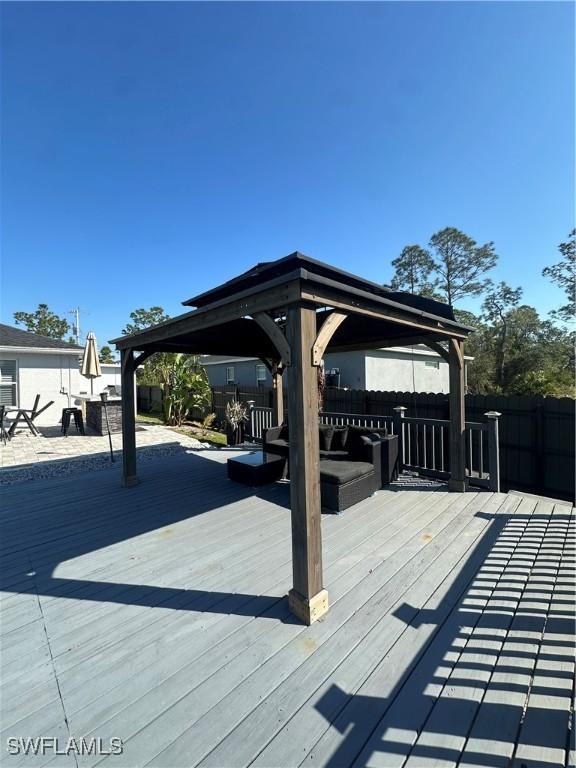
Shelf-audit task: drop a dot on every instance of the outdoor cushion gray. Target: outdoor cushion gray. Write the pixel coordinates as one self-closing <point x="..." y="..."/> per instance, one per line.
<point x="338" y="472"/>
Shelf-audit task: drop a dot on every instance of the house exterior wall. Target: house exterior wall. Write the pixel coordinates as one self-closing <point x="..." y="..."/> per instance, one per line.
<point x="54" y="377"/>
<point x="352" y="368"/>
<point x="388" y="370"/>
<point x="244" y="373"/>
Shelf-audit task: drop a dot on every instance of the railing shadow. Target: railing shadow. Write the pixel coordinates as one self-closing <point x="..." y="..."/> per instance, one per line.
<point x="456" y="666"/>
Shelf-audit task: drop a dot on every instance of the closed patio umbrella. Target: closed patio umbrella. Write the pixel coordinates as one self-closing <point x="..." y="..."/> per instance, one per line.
<point x="90" y="363"/>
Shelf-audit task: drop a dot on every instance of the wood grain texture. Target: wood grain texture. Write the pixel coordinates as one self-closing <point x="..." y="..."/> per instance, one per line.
<point x="304" y="453"/>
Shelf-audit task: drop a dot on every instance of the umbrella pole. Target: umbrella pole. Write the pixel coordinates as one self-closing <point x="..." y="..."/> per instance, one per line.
<point x="104" y="397"/>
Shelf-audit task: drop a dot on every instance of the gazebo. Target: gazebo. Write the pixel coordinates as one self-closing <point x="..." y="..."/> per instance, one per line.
<point x="288" y="313"/>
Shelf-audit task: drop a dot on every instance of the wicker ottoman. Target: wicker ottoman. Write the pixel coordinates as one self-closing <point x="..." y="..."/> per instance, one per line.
<point x="345" y="483"/>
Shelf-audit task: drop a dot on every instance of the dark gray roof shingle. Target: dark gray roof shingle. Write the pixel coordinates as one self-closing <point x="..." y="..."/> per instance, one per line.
<point x="16" y="337"/>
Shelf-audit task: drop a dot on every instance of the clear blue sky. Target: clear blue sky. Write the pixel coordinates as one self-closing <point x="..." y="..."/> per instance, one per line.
<point x="153" y="150"/>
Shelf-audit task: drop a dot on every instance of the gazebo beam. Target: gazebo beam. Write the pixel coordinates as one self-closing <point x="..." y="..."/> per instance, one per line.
<point x="308" y="599"/>
<point x="213" y="315"/>
<point x="381" y="343"/>
<point x="458" y="481"/>
<point x="384" y="312"/>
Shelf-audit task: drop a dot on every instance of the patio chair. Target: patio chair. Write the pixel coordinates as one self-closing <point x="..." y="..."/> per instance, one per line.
<point x="29" y="416"/>
<point x="3" y="433"/>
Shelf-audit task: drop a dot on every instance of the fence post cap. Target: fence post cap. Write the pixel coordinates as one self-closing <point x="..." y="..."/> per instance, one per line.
<point x="400" y="409"/>
<point x="251" y="403"/>
<point x="492" y="414"/>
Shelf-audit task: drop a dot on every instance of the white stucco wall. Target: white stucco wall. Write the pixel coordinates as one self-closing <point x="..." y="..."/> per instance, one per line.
<point x="388" y="370"/>
<point x="351" y="365"/>
<point x="55" y="377"/>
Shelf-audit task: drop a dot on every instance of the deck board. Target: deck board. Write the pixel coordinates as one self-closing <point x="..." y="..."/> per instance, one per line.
<point x="158" y="614"/>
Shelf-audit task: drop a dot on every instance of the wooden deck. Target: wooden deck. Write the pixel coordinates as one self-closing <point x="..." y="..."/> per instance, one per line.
<point x="157" y="615"/>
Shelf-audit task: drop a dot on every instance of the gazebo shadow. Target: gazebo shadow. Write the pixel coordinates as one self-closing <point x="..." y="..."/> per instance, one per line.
<point x="140" y="510"/>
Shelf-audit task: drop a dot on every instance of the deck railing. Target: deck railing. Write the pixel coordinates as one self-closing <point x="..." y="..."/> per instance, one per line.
<point x="425" y="447"/>
<point x="424" y="444"/>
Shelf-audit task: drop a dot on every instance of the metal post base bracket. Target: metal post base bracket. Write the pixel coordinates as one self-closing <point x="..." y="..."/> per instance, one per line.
<point x="306" y="610"/>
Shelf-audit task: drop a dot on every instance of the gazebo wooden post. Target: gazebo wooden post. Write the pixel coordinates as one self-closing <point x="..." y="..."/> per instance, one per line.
<point x="458" y="481"/>
<point x="308" y="599"/>
<point x="277" y="393"/>
<point x="128" y="368"/>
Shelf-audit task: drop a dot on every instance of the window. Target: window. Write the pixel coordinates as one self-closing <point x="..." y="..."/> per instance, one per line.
<point x="432" y="363"/>
<point x="260" y="375"/>
<point x="8" y="382"/>
<point x="230" y="377"/>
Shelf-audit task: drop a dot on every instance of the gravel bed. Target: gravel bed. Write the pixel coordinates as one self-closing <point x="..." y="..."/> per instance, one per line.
<point x="73" y="465"/>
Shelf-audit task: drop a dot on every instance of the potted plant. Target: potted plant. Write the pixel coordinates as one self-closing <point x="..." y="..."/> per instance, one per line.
<point x="236" y="416"/>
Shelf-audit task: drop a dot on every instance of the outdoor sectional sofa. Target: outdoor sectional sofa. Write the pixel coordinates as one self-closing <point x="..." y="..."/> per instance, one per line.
<point x="350" y="464"/>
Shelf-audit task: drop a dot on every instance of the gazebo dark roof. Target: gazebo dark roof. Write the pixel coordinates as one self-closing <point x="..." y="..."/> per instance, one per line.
<point x="242" y="336"/>
<point x="297" y="265"/>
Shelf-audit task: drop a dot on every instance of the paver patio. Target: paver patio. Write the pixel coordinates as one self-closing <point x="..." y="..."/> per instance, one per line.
<point x="157" y="615"/>
<point x="29" y="457"/>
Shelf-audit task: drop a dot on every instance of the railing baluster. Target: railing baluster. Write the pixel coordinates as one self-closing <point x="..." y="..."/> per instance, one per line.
<point x="481" y="451"/>
<point x="442" y="448"/>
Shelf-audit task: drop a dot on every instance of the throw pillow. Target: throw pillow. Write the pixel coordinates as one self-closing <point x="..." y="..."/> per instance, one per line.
<point x="339" y="438"/>
<point x="326" y="435"/>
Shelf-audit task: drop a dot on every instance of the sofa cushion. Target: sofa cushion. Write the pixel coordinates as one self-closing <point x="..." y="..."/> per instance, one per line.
<point x="326" y="435"/>
<point x="332" y="454"/>
<point x="278" y="445"/>
<point x="339" y="439"/>
<point x="339" y="472"/>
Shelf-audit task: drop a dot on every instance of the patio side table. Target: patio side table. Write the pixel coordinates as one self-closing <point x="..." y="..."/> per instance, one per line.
<point x="256" y="468"/>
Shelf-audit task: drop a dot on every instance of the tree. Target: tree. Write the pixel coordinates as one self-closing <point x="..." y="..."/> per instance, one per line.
<point x="106" y="355"/>
<point x="563" y="274"/>
<point x="154" y="371"/>
<point x="500" y="300"/>
<point x="541" y="356"/>
<point x="144" y="318"/>
<point x="480" y="370"/>
<point x="44" y="322"/>
<point x="460" y="264"/>
<point x="183" y="379"/>
<point x="412" y="271"/>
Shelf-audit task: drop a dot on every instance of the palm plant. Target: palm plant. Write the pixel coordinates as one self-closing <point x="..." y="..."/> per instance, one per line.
<point x="185" y="386"/>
